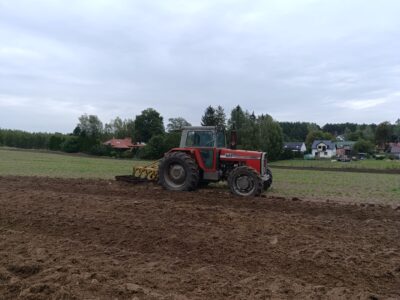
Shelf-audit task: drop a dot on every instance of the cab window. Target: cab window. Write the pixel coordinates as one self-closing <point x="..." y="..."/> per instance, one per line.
<point x="200" y="139"/>
<point x="221" y="143"/>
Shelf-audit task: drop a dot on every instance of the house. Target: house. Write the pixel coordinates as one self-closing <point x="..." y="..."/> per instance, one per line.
<point x="341" y="138"/>
<point x="295" y="147"/>
<point x="344" y="148"/>
<point x="122" y="144"/>
<point x="395" y="150"/>
<point x="323" y="149"/>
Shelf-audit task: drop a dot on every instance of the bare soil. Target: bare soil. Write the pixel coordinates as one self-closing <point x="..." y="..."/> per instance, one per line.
<point x="99" y="239"/>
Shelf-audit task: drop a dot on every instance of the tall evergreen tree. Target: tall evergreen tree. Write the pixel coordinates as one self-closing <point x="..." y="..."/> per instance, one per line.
<point x="209" y="118"/>
<point x="237" y="119"/>
<point x="220" y="117"/>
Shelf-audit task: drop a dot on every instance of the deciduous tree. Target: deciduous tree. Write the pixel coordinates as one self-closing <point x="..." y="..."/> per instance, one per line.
<point x="176" y="124"/>
<point x="383" y="133"/>
<point x="270" y="137"/>
<point x="148" y="124"/>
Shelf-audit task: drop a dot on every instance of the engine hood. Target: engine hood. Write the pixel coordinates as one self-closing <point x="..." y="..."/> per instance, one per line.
<point x="242" y="154"/>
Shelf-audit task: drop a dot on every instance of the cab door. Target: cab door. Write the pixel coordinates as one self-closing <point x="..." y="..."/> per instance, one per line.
<point x="204" y="141"/>
<point x="208" y="157"/>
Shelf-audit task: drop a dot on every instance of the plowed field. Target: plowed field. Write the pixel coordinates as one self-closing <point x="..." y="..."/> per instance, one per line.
<point x="99" y="239"/>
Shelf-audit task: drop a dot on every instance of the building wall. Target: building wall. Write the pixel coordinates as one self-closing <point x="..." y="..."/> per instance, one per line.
<point x="343" y="151"/>
<point x="324" y="154"/>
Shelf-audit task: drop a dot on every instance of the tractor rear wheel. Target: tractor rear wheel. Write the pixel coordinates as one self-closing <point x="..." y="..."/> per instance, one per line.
<point x="245" y="181"/>
<point x="178" y="172"/>
<point x="268" y="183"/>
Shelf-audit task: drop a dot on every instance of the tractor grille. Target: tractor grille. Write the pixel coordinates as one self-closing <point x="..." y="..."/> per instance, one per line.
<point x="264" y="164"/>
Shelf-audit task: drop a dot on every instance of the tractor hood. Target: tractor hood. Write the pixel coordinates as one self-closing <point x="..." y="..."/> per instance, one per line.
<point x="240" y="154"/>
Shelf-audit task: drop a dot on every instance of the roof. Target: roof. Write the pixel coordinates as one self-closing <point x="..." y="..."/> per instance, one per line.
<point x="329" y="144"/>
<point x="293" y="145"/>
<point x="345" y="144"/>
<point x="125" y="143"/>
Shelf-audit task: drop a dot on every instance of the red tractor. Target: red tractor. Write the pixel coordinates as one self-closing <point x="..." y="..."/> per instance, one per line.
<point x="203" y="158"/>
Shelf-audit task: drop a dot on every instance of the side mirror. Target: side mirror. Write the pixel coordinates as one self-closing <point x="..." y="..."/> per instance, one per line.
<point x="233" y="140"/>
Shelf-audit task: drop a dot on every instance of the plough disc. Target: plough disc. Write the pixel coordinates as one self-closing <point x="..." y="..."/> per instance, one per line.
<point x="129" y="178"/>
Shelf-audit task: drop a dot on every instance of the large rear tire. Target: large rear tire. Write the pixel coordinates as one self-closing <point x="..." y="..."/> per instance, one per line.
<point x="178" y="172"/>
<point x="245" y="181"/>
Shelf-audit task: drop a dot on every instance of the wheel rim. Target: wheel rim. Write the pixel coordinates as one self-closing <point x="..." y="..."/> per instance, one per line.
<point x="244" y="185"/>
<point x="175" y="175"/>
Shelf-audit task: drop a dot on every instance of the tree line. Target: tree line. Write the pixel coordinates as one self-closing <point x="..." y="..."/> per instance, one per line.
<point x="254" y="132"/>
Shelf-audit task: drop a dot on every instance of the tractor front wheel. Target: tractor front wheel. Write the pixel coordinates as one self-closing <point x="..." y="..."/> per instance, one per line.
<point x="245" y="181"/>
<point x="178" y="172"/>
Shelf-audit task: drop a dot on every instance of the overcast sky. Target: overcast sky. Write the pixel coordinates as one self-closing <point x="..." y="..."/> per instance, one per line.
<point x="309" y="60"/>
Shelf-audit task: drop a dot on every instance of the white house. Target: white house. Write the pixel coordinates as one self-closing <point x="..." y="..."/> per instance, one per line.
<point x="323" y="149"/>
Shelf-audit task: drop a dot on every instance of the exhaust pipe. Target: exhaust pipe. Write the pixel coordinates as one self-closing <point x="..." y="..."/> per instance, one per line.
<point x="233" y="140"/>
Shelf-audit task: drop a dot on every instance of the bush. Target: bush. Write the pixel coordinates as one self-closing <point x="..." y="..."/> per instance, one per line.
<point x="100" y="150"/>
<point x="363" y="146"/>
<point x="287" y="154"/>
<point x="56" y="141"/>
<point x="70" y="145"/>
<point x="154" y="149"/>
<point x="158" y="145"/>
<point x="127" y="154"/>
<point x="379" y="156"/>
<point x="113" y="153"/>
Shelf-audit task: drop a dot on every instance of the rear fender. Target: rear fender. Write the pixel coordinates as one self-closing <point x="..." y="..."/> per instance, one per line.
<point x="194" y="153"/>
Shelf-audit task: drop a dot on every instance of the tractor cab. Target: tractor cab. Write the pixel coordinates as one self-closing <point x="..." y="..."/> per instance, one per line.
<point x="202" y="136"/>
<point x="204" y="140"/>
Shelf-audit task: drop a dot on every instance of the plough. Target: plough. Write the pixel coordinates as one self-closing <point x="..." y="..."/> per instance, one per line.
<point x="141" y="174"/>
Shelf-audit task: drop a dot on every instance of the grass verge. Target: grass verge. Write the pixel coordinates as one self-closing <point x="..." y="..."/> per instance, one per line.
<point x="30" y="163"/>
<point x="337" y="186"/>
<point x="361" y="164"/>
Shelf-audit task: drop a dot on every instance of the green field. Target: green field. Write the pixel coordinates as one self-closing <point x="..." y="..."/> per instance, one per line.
<point x="304" y="184"/>
<point x="361" y="164"/>
<point x="338" y="186"/>
<point x="29" y="163"/>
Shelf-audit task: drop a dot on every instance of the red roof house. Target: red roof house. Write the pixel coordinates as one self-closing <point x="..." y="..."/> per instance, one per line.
<point x="123" y="144"/>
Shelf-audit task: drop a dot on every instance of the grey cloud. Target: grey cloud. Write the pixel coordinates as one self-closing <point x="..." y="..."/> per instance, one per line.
<point x="296" y="60"/>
